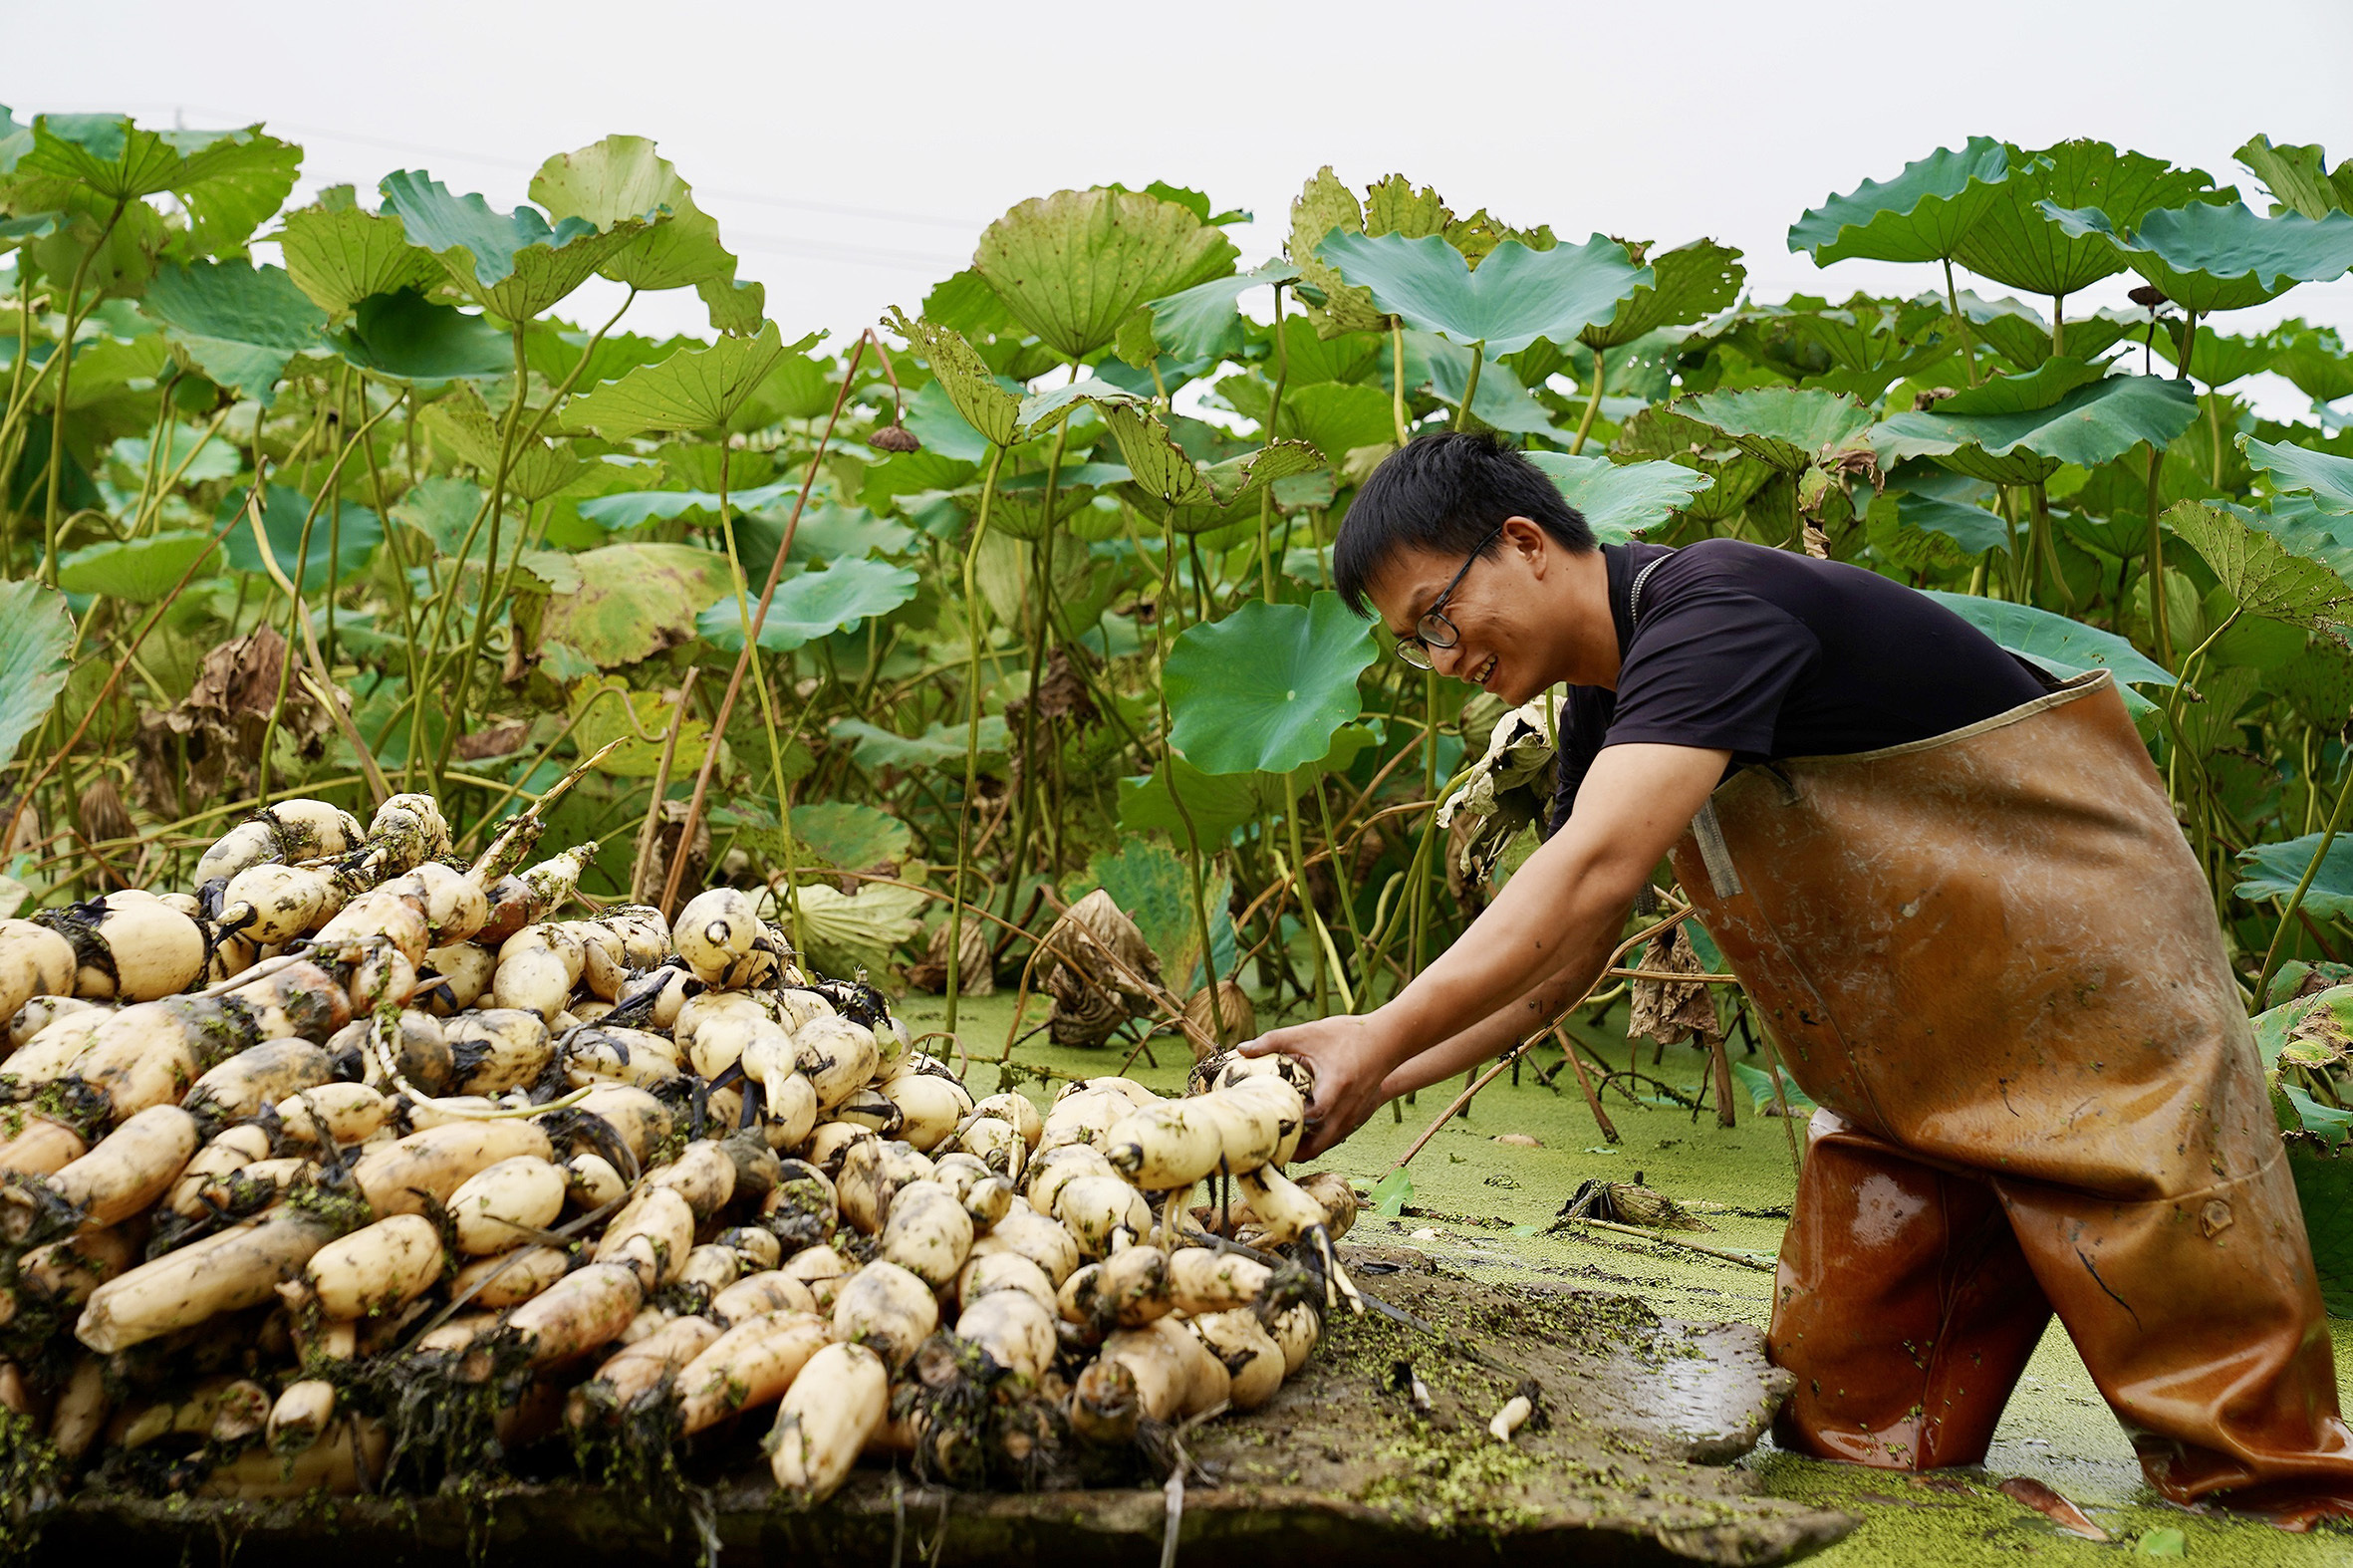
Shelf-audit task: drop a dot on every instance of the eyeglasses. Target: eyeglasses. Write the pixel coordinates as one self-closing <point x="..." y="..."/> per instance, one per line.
<point x="1433" y="630"/>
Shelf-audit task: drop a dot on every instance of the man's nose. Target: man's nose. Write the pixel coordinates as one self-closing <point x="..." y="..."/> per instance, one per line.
<point x="1446" y="660"/>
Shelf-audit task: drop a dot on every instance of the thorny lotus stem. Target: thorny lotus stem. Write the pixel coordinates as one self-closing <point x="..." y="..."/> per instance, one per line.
<point x="1396" y="378"/>
<point x="647" y="835"/>
<point x="1042" y="564"/>
<point x="1961" y="325"/>
<point x="64" y="374"/>
<point x="955" y="908"/>
<point x="1601" y="371"/>
<point x="784" y="810"/>
<point x="710" y="755"/>
<point x="1197" y="870"/>
<point x="1478" y="354"/>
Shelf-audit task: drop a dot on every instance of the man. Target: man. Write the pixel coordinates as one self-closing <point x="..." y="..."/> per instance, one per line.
<point x="1955" y="893"/>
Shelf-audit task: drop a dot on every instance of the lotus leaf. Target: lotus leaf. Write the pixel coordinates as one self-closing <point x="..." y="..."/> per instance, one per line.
<point x="35" y="634"/>
<point x="408" y="337"/>
<point x="2272" y="871"/>
<point x="2313" y="357"/>
<point x="812" y="604"/>
<point x="1619" y="500"/>
<point x="343" y="536"/>
<point x="535" y="469"/>
<point x="608" y="711"/>
<point x="1152" y="886"/>
<point x="241" y="324"/>
<point x="940" y="742"/>
<point x="2219" y="258"/>
<point x="1920" y="215"/>
<point x="1204" y="321"/>
<point x="851" y="835"/>
<point x="1263" y="690"/>
<point x="693" y="390"/>
<point x="2299" y="179"/>
<point x="964" y="379"/>
<point x="513" y="264"/>
<point x="2063" y="647"/>
<point x="2329" y="478"/>
<point x="620" y="179"/>
<point x="1784" y="429"/>
<point x="850" y="933"/>
<point x="635" y="600"/>
<point x="1688" y="283"/>
<point x="1073" y="266"/>
<point x="1516" y="296"/>
<point x="229" y="180"/>
<point x="2255" y="569"/>
<point x="339" y="255"/>
<point x="2218" y="359"/>
<point x="138" y="571"/>
<point x="2090" y="426"/>
<point x="2015" y="243"/>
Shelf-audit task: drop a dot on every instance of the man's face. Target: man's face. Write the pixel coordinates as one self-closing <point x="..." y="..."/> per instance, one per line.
<point x="1495" y="647"/>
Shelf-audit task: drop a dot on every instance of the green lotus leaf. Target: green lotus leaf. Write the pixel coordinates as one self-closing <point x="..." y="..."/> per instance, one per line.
<point x="2015" y="243"/>
<point x="940" y="742"/>
<point x="36" y="634"/>
<point x="693" y="390"/>
<point x="1920" y="215"/>
<point x="620" y="179"/>
<point x="24" y="230"/>
<point x="2056" y="376"/>
<point x="408" y="337"/>
<point x="2219" y="258"/>
<point x="1972" y="529"/>
<point x="16" y="139"/>
<point x="2090" y="426"/>
<point x="2021" y="335"/>
<point x="1516" y="296"/>
<point x="1784" y="429"/>
<point x="2065" y="648"/>
<point x="1339" y="416"/>
<point x="2299" y="177"/>
<point x="635" y="600"/>
<point x="853" y="932"/>
<point x="930" y="416"/>
<point x="1689" y="283"/>
<point x="1205" y="322"/>
<point x="240" y="323"/>
<point x="340" y="255"/>
<point x="964" y="379"/>
<point x="536" y="470"/>
<point x="513" y="264"/>
<point x="1042" y="411"/>
<point x="1216" y="803"/>
<point x="2325" y="1188"/>
<point x="136" y="571"/>
<point x="2313" y="357"/>
<point x="2291" y="467"/>
<point x="1152" y="886"/>
<point x="625" y="509"/>
<point x="343" y="537"/>
<point x="1323" y="206"/>
<point x="1073" y="266"/>
<point x="814" y="603"/>
<point x="190" y="452"/>
<point x="228" y="181"/>
<point x="2218" y="359"/>
<point x="1264" y="690"/>
<point x="2255" y="569"/>
<point x="1499" y="401"/>
<point x="1195" y="497"/>
<point x="1619" y="500"/>
<point x="851" y="835"/>
<point x="1657" y="433"/>
<point x="2273" y="870"/>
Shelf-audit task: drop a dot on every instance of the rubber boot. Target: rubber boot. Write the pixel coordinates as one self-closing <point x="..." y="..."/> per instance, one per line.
<point x="1903" y="1305"/>
<point x="2201" y="1320"/>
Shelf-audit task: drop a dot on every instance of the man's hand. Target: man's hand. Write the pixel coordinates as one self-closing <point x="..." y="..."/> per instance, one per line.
<point x="1351" y="1059"/>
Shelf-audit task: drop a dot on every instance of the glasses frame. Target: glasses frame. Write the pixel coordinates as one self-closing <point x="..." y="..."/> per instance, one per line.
<point x="1433" y="630"/>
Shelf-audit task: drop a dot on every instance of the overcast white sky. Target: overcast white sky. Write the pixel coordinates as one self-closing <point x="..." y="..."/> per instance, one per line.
<point x="853" y="151"/>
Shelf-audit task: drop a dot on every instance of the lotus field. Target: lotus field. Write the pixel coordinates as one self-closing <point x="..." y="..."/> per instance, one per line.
<point x="480" y="788"/>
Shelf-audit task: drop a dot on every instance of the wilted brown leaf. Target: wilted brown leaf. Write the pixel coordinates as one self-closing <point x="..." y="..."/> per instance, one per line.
<point x="213" y="735"/>
<point x="975" y="976"/>
<point x="497" y="740"/>
<point x="1669" y="1011"/>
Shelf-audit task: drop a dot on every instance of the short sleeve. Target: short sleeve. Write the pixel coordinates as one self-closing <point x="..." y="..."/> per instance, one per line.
<point x="1709" y="666"/>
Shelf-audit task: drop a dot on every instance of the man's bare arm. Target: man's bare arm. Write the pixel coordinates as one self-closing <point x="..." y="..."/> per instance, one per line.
<point x="1559" y="915"/>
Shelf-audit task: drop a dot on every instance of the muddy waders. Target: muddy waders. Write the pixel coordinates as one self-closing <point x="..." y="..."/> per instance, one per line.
<point x="1993" y="962"/>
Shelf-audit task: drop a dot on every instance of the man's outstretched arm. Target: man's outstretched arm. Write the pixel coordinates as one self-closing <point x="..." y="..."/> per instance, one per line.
<point x="1555" y="920"/>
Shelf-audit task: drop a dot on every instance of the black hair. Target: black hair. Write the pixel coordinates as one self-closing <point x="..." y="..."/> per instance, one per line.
<point x="1445" y="492"/>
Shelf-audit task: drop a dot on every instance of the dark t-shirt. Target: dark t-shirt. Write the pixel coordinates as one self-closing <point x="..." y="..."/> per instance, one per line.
<point x="1769" y="654"/>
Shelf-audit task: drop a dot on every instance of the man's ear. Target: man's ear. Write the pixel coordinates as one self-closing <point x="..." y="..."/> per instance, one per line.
<point x="1532" y="543"/>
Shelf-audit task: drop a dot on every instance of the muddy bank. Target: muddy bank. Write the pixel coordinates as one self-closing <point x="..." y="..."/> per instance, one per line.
<point x="1378" y="1454"/>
